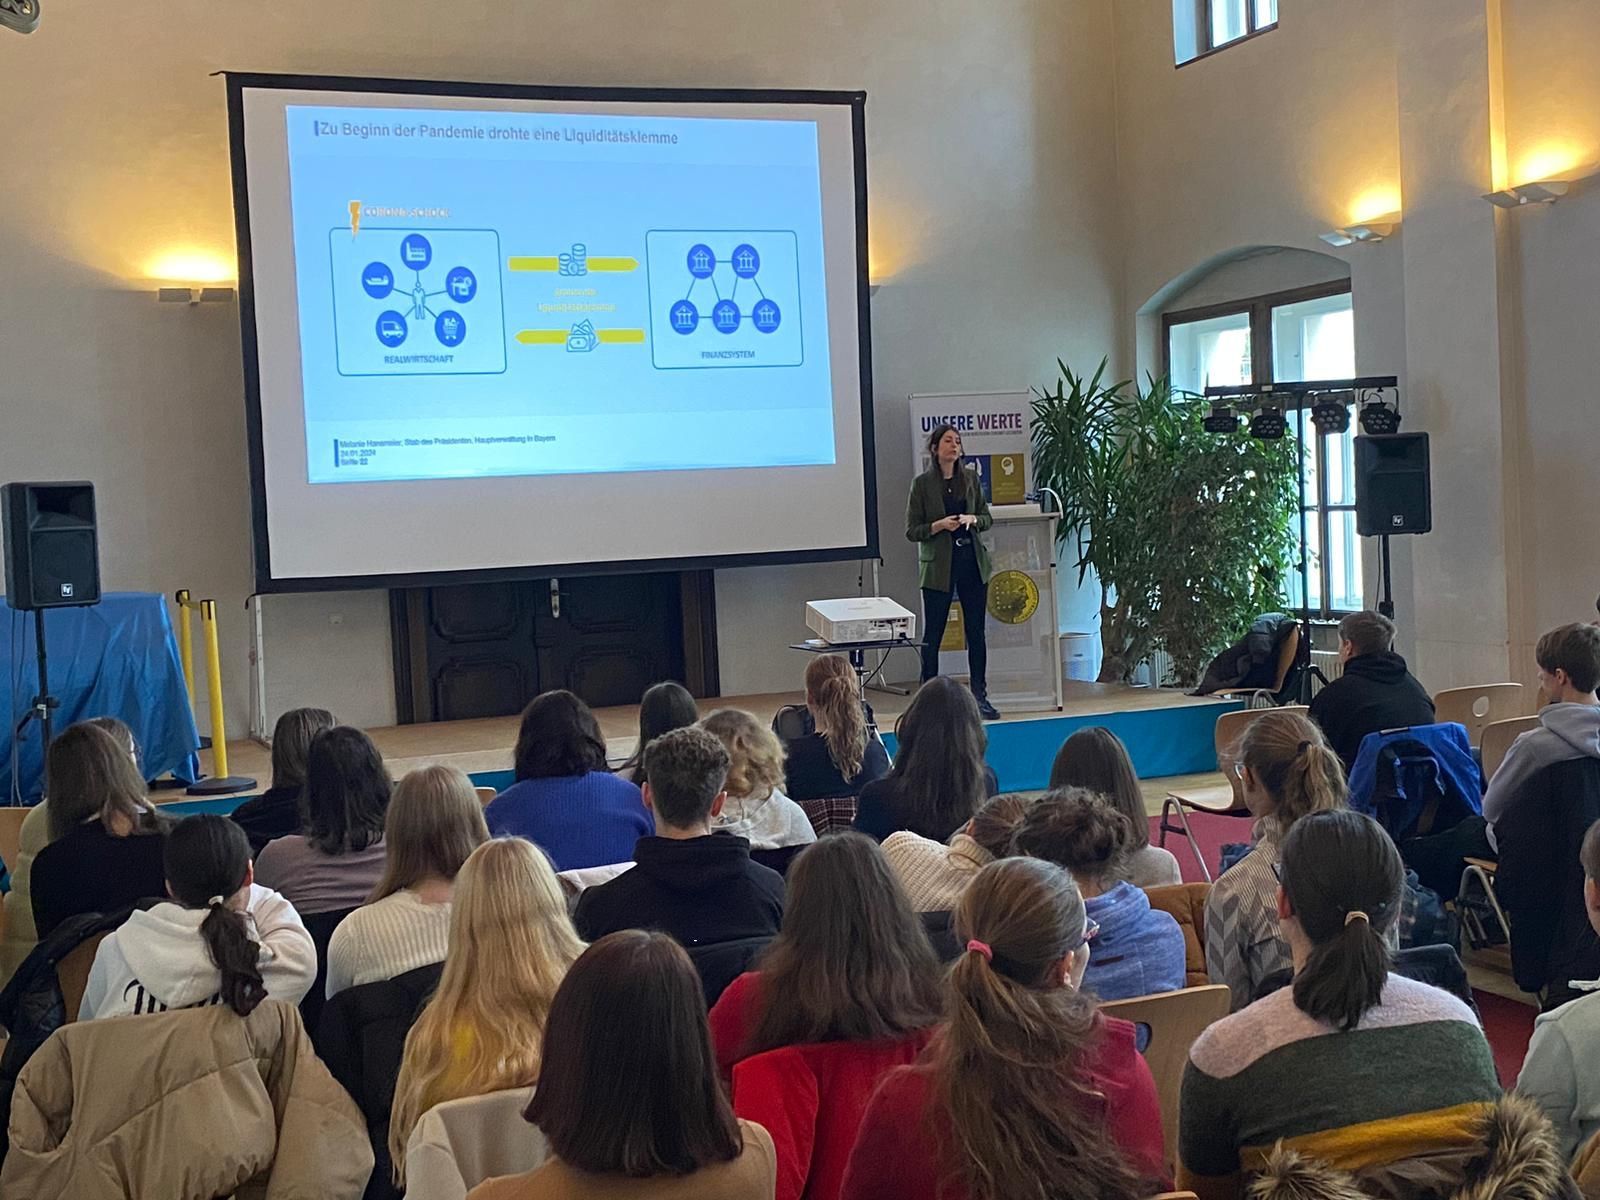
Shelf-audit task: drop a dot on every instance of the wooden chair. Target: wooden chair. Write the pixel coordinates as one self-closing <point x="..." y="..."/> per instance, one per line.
<point x="1223" y="799"/>
<point x="11" y="820"/>
<point x="485" y="795"/>
<point x="72" y="972"/>
<point x="1185" y="903"/>
<point x="1176" y="1196"/>
<point x="1497" y="739"/>
<point x="1476" y="707"/>
<point x="1268" y="697"/>
<point x="1174" y="1020"/>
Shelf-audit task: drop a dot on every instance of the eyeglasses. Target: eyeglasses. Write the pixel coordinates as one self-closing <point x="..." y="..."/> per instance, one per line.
<point x="1091" y="930"/>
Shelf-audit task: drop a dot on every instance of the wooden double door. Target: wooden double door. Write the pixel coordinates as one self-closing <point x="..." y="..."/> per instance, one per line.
<point x="486" y="649"/>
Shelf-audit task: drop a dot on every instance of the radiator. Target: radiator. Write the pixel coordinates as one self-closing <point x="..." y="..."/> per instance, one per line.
<point x="1326" y="661"/>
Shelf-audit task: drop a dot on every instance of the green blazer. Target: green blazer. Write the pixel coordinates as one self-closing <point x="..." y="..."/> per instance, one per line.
<point x="924" y="506"/>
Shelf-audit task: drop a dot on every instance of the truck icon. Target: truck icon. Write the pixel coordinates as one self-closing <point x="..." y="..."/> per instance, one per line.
<point x="392" y="329"/>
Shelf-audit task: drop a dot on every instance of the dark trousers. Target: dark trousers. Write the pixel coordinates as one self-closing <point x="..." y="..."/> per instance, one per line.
<point x="974" y="596"/>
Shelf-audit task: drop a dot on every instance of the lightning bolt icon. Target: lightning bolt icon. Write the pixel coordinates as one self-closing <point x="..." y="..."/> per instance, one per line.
<point x="355" y="218"/>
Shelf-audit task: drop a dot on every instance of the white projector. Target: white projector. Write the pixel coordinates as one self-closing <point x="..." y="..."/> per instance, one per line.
<point x="860" y="619"/>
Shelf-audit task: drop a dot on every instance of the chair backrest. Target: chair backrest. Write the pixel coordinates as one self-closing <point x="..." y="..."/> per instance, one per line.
<point x="11" y="834"/>
<point x="1497" y="739"/>
<point x="72" y="973"/>
<point x="1172" y="1021"/>
<point x="485" y="795"/>
<point x="460" y="1143"/>
<point x="1476" y="707"/>
<point x="1186" y="904"/>
<point x="1230" y="727"/>
<point x="320" y="926"/>
<point x="1287" y="652"/>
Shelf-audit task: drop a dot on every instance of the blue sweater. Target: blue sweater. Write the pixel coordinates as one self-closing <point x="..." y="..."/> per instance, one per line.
<point x="1139" y="949"/>
<point x="588" y="820"/>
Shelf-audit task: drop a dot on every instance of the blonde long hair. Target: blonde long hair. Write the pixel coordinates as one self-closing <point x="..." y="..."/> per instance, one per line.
<point x="1294" y="765"/>
<point x="755" y="768"/>
<point x="511" y="943"/>
<point x="833" y="695"/>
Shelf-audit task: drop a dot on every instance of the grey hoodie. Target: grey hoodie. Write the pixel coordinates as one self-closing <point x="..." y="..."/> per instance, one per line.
<point x="1566" y="731"/>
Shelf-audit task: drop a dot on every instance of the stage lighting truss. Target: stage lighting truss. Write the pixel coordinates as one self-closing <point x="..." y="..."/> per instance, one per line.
<point x="1327" y="402"/>
<point x="1221" y="419"/>
<point x="1269" y="423"/>
<point x="1330" y="411"/>
<point x="1380" y="413"/>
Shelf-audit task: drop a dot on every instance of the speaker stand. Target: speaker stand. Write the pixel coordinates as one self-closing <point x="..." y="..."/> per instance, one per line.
<point x="43" y="703"/>
<point x="1386" y="602"/>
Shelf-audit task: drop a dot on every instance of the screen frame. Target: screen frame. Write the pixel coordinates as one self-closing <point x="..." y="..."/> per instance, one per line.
<point x="267" y="583"/>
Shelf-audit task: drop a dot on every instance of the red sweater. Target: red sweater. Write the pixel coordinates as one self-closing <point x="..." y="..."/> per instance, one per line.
<point x="899" y="1152"/>
<point x="732" y="1018"/>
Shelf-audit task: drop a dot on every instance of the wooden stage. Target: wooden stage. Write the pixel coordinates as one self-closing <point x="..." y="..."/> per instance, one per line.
<point x="484" y="746"/>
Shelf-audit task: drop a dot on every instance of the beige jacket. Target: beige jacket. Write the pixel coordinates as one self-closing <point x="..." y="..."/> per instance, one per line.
<point x="186" y="1105"/>
<point x="460" y="1143"/>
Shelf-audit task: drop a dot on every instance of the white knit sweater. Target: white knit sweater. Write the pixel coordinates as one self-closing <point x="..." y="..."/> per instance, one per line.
<point x="387" y="938"/>
<point x="933" y="874"/>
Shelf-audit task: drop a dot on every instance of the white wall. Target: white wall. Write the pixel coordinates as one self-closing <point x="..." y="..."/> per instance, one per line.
<point x="994" y="230"/>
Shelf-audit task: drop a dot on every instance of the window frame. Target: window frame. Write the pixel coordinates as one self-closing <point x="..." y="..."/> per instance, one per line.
<point x="1263" y="369"/>
<point x="1205" y="47"/>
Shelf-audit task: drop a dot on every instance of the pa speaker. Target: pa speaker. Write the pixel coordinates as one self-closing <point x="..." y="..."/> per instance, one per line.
<point x="1393" y="491"/>
<point x="52" y="552"/>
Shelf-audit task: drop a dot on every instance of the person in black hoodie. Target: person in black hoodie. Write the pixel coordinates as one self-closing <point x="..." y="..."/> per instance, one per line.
<point x="1374" y="693"/>
<point x="700" y="887"/>
<point x="275" y="813"/>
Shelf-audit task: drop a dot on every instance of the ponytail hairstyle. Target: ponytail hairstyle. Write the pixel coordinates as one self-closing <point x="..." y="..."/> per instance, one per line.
<point x="994" y="825"/>
<point x="207" y="859"/>
<point x="835" y="704"/>
<point x="1342" y="877"/>
<point x="1008" y="1070"/>
<point x="1294" y="764"/>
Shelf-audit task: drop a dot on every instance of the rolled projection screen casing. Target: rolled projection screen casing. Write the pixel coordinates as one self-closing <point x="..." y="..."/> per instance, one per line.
<point x="467" y="350"/>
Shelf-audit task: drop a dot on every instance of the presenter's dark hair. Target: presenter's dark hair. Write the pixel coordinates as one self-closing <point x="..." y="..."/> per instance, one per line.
<point x="206" y="859"/>
<point x="1095" y="758"/>
<point x="291" y="744"/>
<point x="1342" y="876"/>
<point x="663" y="708"/>
<point x="937" y="436"/>
<point x="559" y="736"/>
<point x="627" y="1081"/>
<point x="92" y="774"/>
<point x="347" y="791"/>
<point x="938" y="762"/>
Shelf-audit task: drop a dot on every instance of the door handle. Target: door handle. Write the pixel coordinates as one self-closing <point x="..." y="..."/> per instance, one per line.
<point x="555" y="599"/>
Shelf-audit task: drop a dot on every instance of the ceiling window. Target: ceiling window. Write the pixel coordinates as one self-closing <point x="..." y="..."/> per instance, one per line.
<point x="1201" y="27"/>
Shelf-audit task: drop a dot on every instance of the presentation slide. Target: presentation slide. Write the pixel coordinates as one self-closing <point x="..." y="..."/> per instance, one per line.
<point x="568" y="312"/>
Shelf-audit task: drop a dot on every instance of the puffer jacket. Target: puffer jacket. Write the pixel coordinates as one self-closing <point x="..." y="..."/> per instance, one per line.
<point x="186" y="1105"/>
<point x="1516" y="1158"/>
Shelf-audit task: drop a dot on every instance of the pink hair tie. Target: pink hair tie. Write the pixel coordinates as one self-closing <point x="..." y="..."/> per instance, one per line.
<point x="982" y="948"/>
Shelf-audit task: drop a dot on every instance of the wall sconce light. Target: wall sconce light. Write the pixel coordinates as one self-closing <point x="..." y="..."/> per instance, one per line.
<point x="200" y="295"/>
<point x="1368" y="231"/>
<point x="1545" y="191"/>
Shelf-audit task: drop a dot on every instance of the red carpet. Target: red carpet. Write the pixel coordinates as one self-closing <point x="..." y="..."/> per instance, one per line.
<point x="1507" y="1024"/>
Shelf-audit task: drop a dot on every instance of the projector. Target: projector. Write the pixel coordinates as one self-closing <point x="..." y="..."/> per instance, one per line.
<point x="860" y="619"/>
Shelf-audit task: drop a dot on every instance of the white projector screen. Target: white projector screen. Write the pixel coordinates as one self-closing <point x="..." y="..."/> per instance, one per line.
<point x="493" y="331"/>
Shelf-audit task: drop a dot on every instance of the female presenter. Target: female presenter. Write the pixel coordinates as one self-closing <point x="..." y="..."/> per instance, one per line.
<point x="945" y="514"/>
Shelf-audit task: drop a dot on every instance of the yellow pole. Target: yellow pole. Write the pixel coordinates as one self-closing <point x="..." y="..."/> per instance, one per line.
<point x="186" y="644"/>
<point x="219" y="725"/>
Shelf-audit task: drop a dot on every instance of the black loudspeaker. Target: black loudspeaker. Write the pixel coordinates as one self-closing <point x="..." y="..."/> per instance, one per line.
<point x="51" y="549"/>
<point x="1393" y="492"/>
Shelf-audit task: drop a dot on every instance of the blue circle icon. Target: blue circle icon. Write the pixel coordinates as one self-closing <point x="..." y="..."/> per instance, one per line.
<point x="685" y="317"/>
<point x="766" y="316"/>
<point x="702" y="261"/>
<point x="378" y="280"/>
<point x="391" y="328"/>
<point x="415" y="252"/>
<point x="725" y="316"/>
<point x="460" y="285"/>
<point x="746" y="261"/>
<point x="450" y="327"/>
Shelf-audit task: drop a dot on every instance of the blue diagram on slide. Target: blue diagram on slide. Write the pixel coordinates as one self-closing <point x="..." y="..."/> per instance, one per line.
<point x="724" y="298"/>
<point x="408" y="302"/>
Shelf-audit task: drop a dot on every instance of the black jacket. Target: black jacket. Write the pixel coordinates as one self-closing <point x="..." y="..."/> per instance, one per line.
<point x="1540" y="880"/>
<point x="275" y="813"/>
<point x="700" y="890"/>
<point x="362" y="1038"/>
<point x="1376" y="692"/>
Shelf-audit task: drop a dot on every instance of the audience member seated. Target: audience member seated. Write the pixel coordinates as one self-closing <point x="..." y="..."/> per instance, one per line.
<point x="1134" y="950"/>
<point x="663" y="708"/>
<point x="1286" y="770"/>
<point x="1361" y="1068"/>
<point x="851" y="963"/>
<point x="222" y="939"/>
<point x="511" y="944"/>
<point x="687" y="881"/>
<point x="840" y="755"/>
<point x="939" y="777"/>
<point x="756" y="808"/>
<point x="1375" y="691"/>
<point x="1561" y="1072"/>
<point x="19" y="935"/>
<point x="434" y="821"/>
<point x="1569" y="726"/>
<point x="934" y="874"/>
<point x="106" y="837"/>
<point x="564" y="799"/>
<point x="276" y="812"/>
<point x="628" y="1094"/>
<point x="1029" y="1091"/>
<point x="338" y="858"/>
<point x="1095" y="758"/>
